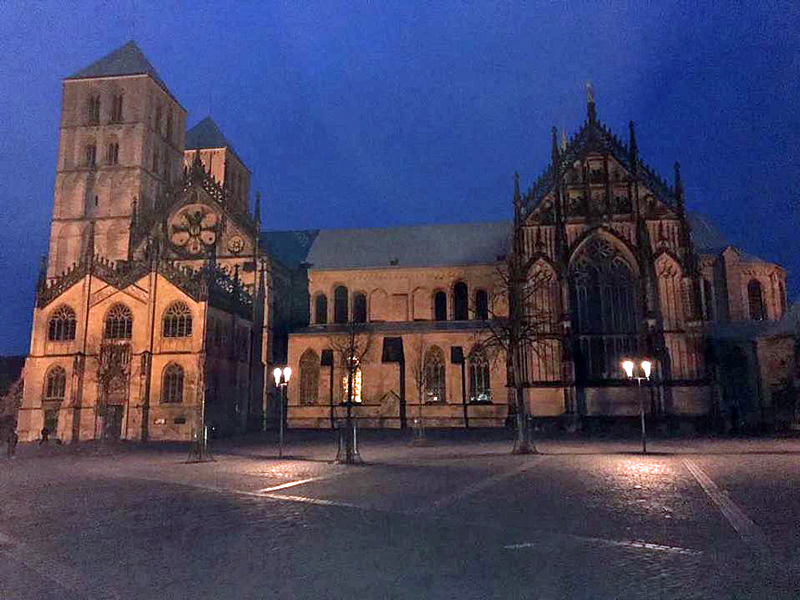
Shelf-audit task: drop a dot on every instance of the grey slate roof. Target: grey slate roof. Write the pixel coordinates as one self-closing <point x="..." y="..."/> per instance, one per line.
<point x="289" y="247"/>
<point x="423" y="245"/>
<point x="411" y="246"/>
<point x="705" y="236"/>
<point x="125" y="60"/>
<point x="205" y="134"/>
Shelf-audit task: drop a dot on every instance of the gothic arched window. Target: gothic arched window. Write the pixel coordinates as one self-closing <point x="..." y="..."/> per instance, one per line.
<point x="460" y="310"/>
<point x="340" y="304"/>
<point x="61" y="326"/>
<point x="321" y="309"/>
<point x="603" y="309"/>
<point x="440" y="306"/>
<point x="93" y="110"/>
<point x="177" y="320"/>
<point x="309" y="377"/>
<point x="55" y="385"/>
<point x="756" y="300"/>
<point x="359" y="308"/>
<point x="480" y="389"/>
<point x="434" y="375"/>
<point x="172" y="384"/>
<point x="481" y="305"/>
<point x="356" y="382"/>
<point x="118" y="323"/>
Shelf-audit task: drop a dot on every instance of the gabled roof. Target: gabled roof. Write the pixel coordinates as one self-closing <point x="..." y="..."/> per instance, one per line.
<point x="454" y="244"/>
<point x="125" y="60"/>
<point x="594" y="136"/>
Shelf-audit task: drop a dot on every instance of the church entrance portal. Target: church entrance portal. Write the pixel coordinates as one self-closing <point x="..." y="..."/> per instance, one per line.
<point x="112" y="422"/>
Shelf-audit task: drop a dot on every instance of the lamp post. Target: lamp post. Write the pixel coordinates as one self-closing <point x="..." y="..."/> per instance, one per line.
<point x="646" y="366"/>
<point x="282" y="377"/>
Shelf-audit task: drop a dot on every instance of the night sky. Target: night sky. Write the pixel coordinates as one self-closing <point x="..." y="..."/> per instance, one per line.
<point x="399" y="112"/>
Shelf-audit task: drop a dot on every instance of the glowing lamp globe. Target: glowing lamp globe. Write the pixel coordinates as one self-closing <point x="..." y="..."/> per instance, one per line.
<point x="627" y="365"/>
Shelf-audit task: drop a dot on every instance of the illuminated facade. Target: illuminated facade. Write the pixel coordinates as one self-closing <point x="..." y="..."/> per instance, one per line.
<point x="162" y="303"/>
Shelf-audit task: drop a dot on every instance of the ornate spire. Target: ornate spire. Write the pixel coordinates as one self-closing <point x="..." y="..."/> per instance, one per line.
<point x="42" y="282"/>
<point x="517" y="240"/>
<point x="590" y="107"/>
<point x="679" y="203"/>
<point x="563" y="139"/>
<point x="257" y="212"/>
<point x="554" y="152"/>
<point x="633" y="149"/>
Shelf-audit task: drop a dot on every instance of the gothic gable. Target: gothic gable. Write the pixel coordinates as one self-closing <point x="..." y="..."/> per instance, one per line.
<point x="196" y="222"/>
<point x="597" y="172"/>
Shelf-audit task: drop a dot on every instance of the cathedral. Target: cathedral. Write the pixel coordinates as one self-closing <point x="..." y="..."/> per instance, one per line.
<point x="162" y="306"/>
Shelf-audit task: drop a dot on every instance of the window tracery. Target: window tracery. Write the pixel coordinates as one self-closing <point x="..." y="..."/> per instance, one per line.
<point x="55" y="385"/>
<point x="61" y="326"/>
<point x="177" y="320"/>
<point x="309" y="377"/>
<point x="604" y="309"/>
<point x="172" y="384"/>
<point x="480" y="389"/>
<point x="118" y="323"/>
<point x="434" y="375"/>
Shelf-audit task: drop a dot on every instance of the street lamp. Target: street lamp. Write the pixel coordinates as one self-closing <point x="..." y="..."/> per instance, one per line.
<point x="646" y="366"/>
<point x="282" y="377"/>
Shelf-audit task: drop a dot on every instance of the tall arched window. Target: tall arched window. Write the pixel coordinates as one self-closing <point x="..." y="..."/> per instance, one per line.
<point x="340" y="304"/>
<point x="603" y="309"/>
<point x="434" y="375"/>
<point x="756" y="300"/>
<point x="172" y="384"/>
<point x="309" y="377"/>
<point x="481" y="305"/>
<point x="177" y="320"/>
<point x="480" y="388"/>
<point x="460" y="299"/>
<point x="356" y="391"/>
<point x="440" y="306"/>
<point x="61" y="326"/>
<point x="321" y="309"/>
<point x="359" y="308"/>
<point x="119" y="323"/>
<point x="55" y="385"/>
<point x="93" y="110"/>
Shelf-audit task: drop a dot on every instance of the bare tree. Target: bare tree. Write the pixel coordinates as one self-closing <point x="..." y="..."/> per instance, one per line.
<point x="351" y="345"/>
<point x="526" y="325"/>
<point x="418" y="349"/>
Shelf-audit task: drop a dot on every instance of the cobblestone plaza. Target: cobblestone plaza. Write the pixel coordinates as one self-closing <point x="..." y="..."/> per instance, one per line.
<point x="459" y="518"/>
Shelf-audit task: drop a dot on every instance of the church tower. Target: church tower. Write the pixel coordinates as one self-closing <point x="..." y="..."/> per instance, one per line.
<point x="120" y="145"/>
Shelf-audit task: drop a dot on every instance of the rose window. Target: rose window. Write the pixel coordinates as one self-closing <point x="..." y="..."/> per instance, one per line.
<point x="194" y="229"/>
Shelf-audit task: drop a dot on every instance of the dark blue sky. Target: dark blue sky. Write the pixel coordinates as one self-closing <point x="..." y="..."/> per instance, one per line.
<point x="396" y="112"/>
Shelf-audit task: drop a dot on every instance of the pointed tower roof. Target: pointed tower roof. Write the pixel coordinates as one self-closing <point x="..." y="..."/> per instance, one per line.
<point x="125" y="60"/>
<point x="206" y="134"/>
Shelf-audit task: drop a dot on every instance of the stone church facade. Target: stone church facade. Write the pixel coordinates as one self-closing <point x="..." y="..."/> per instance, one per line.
<point x="162" y="304"/>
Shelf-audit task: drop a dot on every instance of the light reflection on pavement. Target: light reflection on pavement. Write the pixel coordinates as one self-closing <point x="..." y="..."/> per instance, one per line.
<point x="466" y="520"/>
